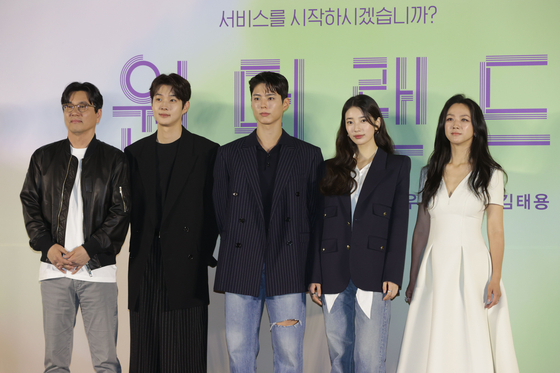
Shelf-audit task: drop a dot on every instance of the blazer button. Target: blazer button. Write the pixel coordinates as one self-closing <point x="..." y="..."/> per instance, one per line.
<point x="381" y="247"/>
<point x="289" y="243"/>
<point x="297" y="194"/>
<point x="186" y="229"/>
<point x="235" y="194"/>
<point x="241" y="220"/>
<point x="238" y="245"/>
<point x="190" y="256"/>
<point x="325" y="215"/>
<point x="348" y="223"/>
<point x="288" y="219"/>
<point x="324" y="249"/>
<point x="347" y="247"/>
<point x="384" y="213"/>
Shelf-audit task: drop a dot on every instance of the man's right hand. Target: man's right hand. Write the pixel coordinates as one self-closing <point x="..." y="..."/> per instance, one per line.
<point x="56" y="256"/>
<point x="315" y="292"/>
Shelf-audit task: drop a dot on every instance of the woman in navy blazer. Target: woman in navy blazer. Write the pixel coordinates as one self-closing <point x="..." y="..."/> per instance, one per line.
<point x="359" y="266"/>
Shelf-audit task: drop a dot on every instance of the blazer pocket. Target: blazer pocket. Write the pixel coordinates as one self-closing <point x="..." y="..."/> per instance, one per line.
<point x="381" y="210"/>
<point x="377" y="243"/>
<point x="330" y="211"/>
<point x="329" y="246"/>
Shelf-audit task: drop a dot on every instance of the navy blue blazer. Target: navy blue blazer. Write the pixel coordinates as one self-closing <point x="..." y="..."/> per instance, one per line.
<point x="371" y="249"/>
<point x="244" y="244"/>
<point x="188" y="230"/>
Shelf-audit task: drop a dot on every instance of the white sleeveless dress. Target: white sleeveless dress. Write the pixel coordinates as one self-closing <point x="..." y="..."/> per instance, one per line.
<point x="447" y="328"/>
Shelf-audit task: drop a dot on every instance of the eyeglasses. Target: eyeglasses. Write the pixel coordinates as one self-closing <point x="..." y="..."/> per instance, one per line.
<point x="68" y="108"/>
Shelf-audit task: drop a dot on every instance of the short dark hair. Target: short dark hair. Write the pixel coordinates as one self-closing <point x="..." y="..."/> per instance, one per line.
<point x="94" y="96"/>
<point x="274" y="82"/>
<point x="180" y="86"/>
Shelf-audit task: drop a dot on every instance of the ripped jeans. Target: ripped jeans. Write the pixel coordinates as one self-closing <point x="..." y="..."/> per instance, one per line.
<point x="243" y="321"/>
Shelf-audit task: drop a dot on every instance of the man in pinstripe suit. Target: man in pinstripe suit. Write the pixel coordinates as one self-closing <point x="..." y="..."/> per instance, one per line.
<point x="267" y="200"/>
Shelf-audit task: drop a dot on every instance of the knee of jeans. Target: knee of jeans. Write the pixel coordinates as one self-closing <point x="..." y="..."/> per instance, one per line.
<point x="285" y="323"/>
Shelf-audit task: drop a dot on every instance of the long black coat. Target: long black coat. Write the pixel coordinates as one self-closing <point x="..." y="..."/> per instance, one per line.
<point x="371" y="249"/>
<point x="244" y="244"/>
<point x="188" y="227"/>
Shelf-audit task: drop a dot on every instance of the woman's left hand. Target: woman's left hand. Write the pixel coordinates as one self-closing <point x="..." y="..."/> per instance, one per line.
<point x="493" y="294"/>
<point x="390" y="289"/>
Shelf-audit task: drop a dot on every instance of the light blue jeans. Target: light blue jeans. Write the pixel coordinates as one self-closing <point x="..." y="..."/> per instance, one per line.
<point x="243" y="321"/>
<point x="357" y="343"/>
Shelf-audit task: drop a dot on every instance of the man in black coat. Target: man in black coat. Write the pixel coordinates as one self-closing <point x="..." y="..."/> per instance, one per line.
<point x="173" y="235"/>
<point x="267" y="200"/>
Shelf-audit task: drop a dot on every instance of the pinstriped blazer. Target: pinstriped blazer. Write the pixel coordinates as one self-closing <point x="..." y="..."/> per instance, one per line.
<point x="244" y="244"/>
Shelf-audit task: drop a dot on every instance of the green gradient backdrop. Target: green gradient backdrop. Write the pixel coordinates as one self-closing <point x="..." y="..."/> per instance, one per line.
<point x="47" y="45"/>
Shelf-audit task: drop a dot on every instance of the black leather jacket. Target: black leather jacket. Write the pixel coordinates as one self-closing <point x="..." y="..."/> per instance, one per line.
<point x="105" y="192"/>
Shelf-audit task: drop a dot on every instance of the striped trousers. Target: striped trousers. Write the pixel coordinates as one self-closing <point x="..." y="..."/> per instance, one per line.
<point x="162" y="340"/>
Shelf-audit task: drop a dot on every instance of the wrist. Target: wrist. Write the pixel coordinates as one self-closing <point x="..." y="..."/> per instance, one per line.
<point x="496" y="278"/>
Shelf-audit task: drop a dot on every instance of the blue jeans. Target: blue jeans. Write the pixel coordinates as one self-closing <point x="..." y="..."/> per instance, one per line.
<point x="243" y="321"/>
<point x="357" y="343"/>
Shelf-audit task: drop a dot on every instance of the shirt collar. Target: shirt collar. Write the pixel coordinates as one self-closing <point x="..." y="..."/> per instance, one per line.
<point x="252" y="140"/>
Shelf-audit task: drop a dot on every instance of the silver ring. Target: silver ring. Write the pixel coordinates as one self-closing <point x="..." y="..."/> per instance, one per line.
<point x="312" y="294"/>
<point x="389" y="291"/>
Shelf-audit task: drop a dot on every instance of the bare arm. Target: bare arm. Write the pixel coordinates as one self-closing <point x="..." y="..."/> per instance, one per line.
<point x="419" y="241"/>
<point x="495" y="228"/>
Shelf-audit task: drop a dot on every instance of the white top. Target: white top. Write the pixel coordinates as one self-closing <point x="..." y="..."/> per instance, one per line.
<point x="74" y="236"/>
<point x="365" y="298"/>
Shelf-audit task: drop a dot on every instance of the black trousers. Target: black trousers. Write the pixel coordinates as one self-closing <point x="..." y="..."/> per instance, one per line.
<point x="161" y="340"/>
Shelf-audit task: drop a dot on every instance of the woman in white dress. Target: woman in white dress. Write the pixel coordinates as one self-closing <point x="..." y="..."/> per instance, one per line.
<point x="458" y="319"/>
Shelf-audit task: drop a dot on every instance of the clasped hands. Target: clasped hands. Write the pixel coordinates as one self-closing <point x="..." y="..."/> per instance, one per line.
<point x="64" y="260"/>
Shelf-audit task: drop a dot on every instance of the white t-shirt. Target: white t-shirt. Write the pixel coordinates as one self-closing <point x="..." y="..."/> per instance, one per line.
<point x="74" y="236"/>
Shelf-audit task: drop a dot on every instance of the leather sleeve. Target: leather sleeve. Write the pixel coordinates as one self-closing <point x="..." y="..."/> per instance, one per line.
<point x="38" y="228"/>
<point x="112" y="232"/>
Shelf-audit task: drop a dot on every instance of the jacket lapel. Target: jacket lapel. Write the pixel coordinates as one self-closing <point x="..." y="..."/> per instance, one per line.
<point x="248" y="157"/>
<point x="374" y="176"/>
<point x="147" y="170"/>
<point x="346" y="206"/>
<point x="283" y="171"/>
<point x="182" y="168"/>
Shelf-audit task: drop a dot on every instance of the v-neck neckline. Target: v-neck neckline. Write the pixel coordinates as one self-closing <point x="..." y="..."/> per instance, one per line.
<point x="449" y="195"/>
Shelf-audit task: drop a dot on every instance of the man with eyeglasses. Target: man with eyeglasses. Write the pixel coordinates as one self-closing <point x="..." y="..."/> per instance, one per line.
<point x="76" y="209"/>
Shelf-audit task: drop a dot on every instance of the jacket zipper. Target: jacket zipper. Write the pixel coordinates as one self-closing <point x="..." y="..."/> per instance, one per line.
<point x="62" y="198"/>
<point x="124" y="203"/>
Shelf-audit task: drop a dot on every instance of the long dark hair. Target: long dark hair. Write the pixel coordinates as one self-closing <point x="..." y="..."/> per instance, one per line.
<point x="339" y="178"/>
<point x="480" y="159"/>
